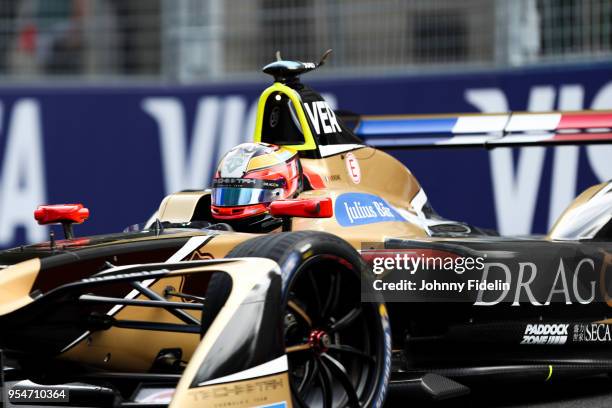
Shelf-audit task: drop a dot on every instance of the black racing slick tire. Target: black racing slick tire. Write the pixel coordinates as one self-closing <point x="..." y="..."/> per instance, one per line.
<point x="339" y="349"/>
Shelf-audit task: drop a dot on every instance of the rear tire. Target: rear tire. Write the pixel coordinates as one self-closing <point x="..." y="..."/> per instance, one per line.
<point x="339" y="348"/>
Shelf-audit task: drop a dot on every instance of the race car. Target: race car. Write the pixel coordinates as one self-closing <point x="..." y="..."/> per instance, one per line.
<point x="262" y="291"/>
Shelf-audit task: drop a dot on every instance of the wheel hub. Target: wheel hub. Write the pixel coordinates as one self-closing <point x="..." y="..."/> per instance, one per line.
<point x="319" y="340"/>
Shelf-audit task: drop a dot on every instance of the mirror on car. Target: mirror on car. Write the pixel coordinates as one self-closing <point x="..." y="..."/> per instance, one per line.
<point x="307" y="208"/>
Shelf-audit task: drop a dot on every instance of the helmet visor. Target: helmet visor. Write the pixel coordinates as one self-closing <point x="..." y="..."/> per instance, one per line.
<point x="237" y="192"/>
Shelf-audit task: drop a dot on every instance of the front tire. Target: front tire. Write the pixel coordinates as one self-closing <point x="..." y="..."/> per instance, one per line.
<point x="339" y="348"/>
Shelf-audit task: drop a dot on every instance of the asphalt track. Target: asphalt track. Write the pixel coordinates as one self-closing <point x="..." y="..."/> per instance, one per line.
<point x="594" y="392"/>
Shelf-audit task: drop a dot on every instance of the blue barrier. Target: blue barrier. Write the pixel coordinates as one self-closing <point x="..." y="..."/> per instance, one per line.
<point x="120" y="150"/>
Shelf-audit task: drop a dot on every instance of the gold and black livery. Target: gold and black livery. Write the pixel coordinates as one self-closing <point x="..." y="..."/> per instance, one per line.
<point x="190" y="312"/>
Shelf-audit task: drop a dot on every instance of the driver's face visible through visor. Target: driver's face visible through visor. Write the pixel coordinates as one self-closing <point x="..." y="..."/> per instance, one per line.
<point x="229" y="192"/>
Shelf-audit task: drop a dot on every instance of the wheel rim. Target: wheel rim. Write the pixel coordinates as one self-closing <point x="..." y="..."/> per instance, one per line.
<point x="333" y="341"/>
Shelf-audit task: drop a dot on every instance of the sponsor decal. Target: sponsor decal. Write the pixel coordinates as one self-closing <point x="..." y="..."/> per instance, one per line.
<point x="322" y="117"/>
<point x="352" y="167"/>
<point x="200" y="255"/>
<point x="260" y="392"/>
<point x="277" y="405"/>
<point x="566" y="285"/>
<point x="592" y="333"/>
<point x="359" y="209"/>
<point x="241" y="388"/>
<point x="559" y="333"/>
<point x="545" y="334"/>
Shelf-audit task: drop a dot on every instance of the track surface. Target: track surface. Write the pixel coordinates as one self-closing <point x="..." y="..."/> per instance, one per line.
<point x="594" y="392"/>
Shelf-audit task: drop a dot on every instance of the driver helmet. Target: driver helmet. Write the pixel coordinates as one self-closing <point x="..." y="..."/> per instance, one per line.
<point x="252" y="175"/>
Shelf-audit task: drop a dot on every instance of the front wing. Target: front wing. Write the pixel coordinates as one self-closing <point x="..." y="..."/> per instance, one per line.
<point x="240" y="360"/>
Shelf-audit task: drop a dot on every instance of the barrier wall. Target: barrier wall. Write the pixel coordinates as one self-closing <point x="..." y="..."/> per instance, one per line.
<point x="119" y="150"/>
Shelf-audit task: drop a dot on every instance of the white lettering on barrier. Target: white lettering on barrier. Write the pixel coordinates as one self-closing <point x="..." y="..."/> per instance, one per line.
<point x="22" y="177"/>
<point x="516" y="187"/>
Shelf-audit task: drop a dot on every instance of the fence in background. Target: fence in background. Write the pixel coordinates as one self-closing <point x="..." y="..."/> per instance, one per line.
<point x="200" y="40"/>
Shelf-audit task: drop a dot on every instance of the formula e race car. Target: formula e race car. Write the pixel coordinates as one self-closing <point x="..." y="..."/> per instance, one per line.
<point x="278" y="287"/>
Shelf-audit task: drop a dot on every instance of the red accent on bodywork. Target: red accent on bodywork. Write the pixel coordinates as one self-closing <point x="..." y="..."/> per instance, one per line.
<point x="75" y="242"/>
<point x="230" y="213"/>
<point x="59" y="213"/>
<point x="315" y="181"/>
<point x="585" y="120"/>
<point x="307" y="208"/>
<point x="578" y="137"/>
